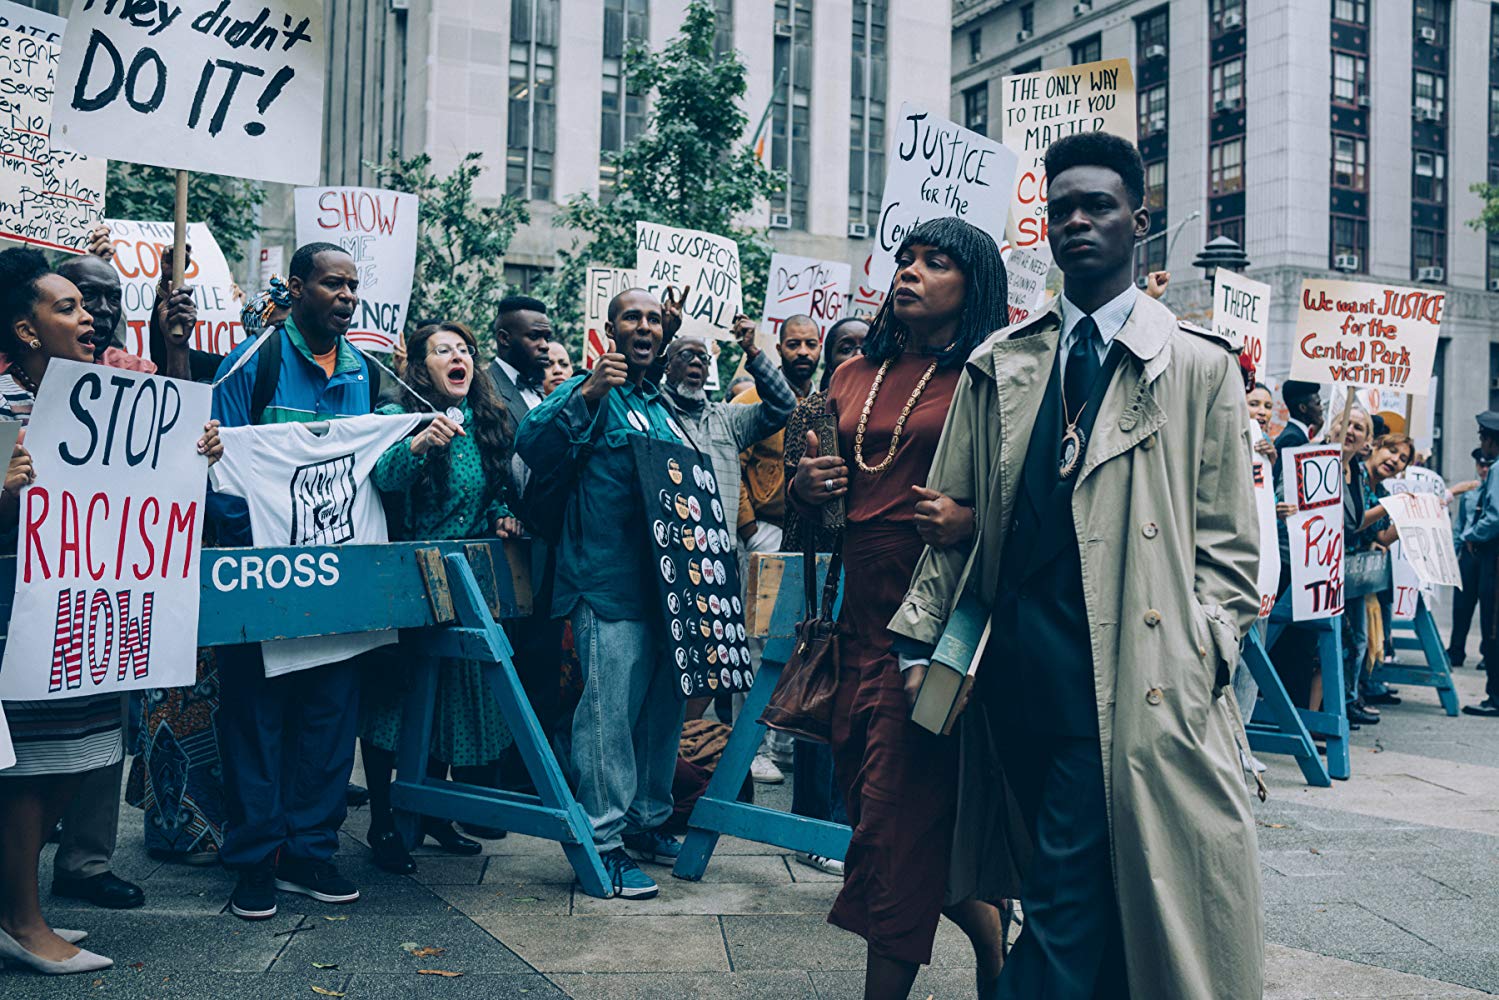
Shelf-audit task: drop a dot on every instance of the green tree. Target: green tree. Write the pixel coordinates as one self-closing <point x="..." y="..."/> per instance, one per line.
<point x="690" y="167"/>
<point x="460" y="244"/>
<point x="227" y="204"/>
<point x="1489" y="218"/>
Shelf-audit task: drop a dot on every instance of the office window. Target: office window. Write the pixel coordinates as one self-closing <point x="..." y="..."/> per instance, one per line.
<point x="1150" y="256"/>
<point x="1430" y="92"/>
<point x="1350" y="77"/>
<point x="1352" y="11"/>
<point x="1226" y="166"/>
<point x="1034" y="66"/>
<point x="1028" y="17"/>
<point x="1152" y="111"/>
<point x="791" y="109"/>
<point x="1493" y="261"/>
<point x="976" y="108"/>
<point x="622" y="108"/>
<point x="1226" y="80"/>
<point x="866" y="145"/>
<point x="975" y="45"/>
<point x="1088" y="50"/>
<point x="1155" y="186"/>
<point x="1226" y="15"/>
<point x="531" y="130"/>
<point x="1350" y="236"/>
<point x="1431" y="21"/>
<point x="1232" y="228"/>
<point x="524" y="279"/>
<point x="1428" y="248"/>
<point x="723" y="27"/>
<point x="1350" y="165"/>
<point x="1429" y="176"/>
<point x="1151" y="30"/>
<point x="1494" y="111"/>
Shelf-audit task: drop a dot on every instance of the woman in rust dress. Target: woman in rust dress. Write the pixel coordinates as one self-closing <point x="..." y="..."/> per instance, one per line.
<point x="899" y="780"/>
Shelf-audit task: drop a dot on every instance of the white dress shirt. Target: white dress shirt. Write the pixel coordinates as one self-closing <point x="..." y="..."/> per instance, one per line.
<point x="1110" y="317"/>
<point x="530" y="395"/>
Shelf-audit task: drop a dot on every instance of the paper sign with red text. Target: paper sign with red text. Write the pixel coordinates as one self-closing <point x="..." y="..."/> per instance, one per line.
<point x="378" y="229"/>
<point x="1365" y="334"/>
<point x="1425" y="537"/>
<point x="1241" y="315"/>
<point x="1314" y="483"/>
<point x="139" y="247"/>
<point x="599" y="287"/>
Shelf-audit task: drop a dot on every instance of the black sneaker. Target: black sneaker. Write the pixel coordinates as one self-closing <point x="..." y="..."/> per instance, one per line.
<point x="255" y="896"/>
<point x="318" y="879"/>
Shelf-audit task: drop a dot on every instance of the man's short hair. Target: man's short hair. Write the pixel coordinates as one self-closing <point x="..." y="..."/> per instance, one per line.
<point x="1296" y="393"/>
<point x="520" y="303"/>
<point x="305" y="258"/>
<point x="799" y="319"/>
<point x="1100" y="149"/>
<point x="614" y="302"/>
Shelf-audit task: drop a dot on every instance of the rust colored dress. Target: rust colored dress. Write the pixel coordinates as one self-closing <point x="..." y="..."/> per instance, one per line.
<point x="899" y="781"/>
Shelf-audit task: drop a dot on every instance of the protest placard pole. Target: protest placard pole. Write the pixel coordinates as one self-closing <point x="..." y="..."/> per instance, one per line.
<point x="179" y="237"/>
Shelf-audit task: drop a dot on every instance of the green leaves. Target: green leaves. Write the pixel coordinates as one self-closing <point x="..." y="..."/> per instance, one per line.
<point x="227" y="204"/>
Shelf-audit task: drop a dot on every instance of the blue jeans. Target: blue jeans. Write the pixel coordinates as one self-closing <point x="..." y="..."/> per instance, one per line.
<point x="627" y="728"/>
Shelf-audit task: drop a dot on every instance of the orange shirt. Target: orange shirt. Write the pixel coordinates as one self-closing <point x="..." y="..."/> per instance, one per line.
<point x="329" y="361"/>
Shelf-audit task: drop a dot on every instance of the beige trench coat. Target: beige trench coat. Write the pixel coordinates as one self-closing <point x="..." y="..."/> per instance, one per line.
<point x="1169" y="543"/>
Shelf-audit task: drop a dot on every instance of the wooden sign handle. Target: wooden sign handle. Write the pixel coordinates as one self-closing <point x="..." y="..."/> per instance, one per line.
<point x="179" y="238"/>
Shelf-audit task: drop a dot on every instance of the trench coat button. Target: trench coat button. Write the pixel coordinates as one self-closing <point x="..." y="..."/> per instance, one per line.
<point x="1149" y="530"/>
<point x="1148" y="443"/>
<point x="1152" y="617"/>
<point x="1153" y="696"/>
<point x="1202" y="651"/>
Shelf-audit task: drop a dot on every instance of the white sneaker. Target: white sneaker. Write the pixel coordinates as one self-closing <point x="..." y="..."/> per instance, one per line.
<point x="831" y="866"/>
<point x="765" y="772"/>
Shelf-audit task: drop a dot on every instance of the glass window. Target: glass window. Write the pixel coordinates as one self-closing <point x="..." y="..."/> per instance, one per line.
<point x="1350" y="162"/>
<point x="1151" y="30"/>
<point x="1226" y="14"/>
<point x="1431" y="21"/>
<point x="1232" y="228"/>
<point x="791" y="108"/>
<point x="1350" y="78"/>
<point x="723" y="26"/>
<point x="1227" y="83"/>
<point x="975" y="45"/>
<point x="1088" y="50"/>
<point x="976" y="108"/>
<point x="1155" y="186"/>
<point x="1493" y="261"/>
<point x="1226" y="166"/>
<point x="1352" y="11"/>
<point x="622" y="106"/>
<point x="866" y="146"/>
<point x="1150" y="256"/>
<point x="1494" y="108"/>
<point x="1428" y="249"/>
<point x="1429" y="176"/>
<point x="1028" y="17"/>
<point x="530" y="141"/>
<point x="1152" y="103"/>
<point x="1430" y="92"/>
<point x="1350" y="235"/>
<point x="1034" y="66"/>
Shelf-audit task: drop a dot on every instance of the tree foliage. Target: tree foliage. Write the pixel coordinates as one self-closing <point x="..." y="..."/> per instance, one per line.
<point x="460" y="244"/>
<point x="148" y="194"/>
<point x="690" y="167"/>
<point x="1489" y="218"/>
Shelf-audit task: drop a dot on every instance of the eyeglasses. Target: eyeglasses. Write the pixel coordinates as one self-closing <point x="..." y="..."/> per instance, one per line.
<point x="447" y="351"/>
<point x="692" y="355"/>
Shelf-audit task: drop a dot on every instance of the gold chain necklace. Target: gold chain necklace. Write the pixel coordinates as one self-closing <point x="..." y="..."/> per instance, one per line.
<point x="900" y="423"/>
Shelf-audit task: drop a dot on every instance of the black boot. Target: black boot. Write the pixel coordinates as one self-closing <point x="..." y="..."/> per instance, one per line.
<point x="449" y="839"/>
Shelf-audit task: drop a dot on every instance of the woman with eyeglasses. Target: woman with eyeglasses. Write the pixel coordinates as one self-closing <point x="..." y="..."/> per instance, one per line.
<point x="450" y="480"/>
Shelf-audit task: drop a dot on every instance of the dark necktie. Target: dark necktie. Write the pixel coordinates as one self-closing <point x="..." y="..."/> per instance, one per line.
<point x="1082" y="367"/>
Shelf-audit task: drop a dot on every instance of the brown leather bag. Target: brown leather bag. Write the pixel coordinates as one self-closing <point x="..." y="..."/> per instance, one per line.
<point x="802" y="702"/>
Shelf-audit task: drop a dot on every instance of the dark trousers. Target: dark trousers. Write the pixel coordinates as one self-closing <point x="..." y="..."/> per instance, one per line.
<point x="287" y="745"/>
<point x="1488" y="592"/>
<point x="1464" y="603"/>
<point x="537" y="642"/>
<point x="814" y="790"/>
<point x="1070" y="947"/>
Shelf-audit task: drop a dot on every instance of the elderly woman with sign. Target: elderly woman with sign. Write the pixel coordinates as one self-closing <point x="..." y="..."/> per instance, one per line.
<point x="41" y="318"/>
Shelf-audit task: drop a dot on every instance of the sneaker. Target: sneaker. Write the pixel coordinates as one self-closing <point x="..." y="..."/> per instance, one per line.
<point x="625" y="875"/>
<point x="318" y="879"/>
<point x="653" y="846"/>
<point x="255" y="896"/>
<point x="1485" y="708"/>
<point x="831" y="866"/>
<point x="765" y="772"/>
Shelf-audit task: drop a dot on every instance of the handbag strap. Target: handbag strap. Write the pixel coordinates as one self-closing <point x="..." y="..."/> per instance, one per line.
<point x="809" y="577"/>
<point x="830" y="585"/>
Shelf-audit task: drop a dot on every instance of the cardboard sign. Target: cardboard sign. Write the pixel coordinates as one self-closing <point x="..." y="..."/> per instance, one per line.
<point x="1040" y="108"/>
<point x="49" y="198"/>
<point x="1406" y="586"/>
<point x="378" y="229"/>
<point x="107" y="563"/>
<point x="139" y="248"/>
<point x="1241" y="315"/>
<point x="272" y="265"/>
<point x="696" y="568"/>
<point x="1314" y="483"/>
<point x="804" y="286"/>
<point x="1264" y="506"/>
<point x="939" y="169"/>
<point x="1025" y="279"/>
<point x="34" y="23"/>
<point x="867" y="299"/>
<point x="1365" y="334"/>
<point x="599" y="288"/>
<point x="708" y="264"/>
<point x="1426" y="537"/>
<point x="211" y="85"/>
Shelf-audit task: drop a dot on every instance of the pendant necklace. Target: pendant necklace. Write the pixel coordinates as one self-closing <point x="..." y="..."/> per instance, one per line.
<point x="900" y="423"/>
<point x="1073" y="440"/>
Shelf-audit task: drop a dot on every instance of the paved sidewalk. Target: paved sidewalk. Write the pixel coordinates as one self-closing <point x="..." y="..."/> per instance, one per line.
<point x="1386" y="886"/>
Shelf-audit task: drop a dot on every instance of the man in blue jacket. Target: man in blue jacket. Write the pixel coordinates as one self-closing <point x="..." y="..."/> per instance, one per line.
<point x="1482" y="539"/>
<point x="287" y="743"/>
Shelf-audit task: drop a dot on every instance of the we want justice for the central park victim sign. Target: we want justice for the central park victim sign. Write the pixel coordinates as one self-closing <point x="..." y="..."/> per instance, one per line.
<point x="1358" y="333"/>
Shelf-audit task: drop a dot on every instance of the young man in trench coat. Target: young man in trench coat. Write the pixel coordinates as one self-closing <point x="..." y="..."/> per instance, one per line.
<point x="1103" y="448"/>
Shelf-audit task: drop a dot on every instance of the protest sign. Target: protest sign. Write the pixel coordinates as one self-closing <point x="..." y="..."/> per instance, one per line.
<point x="939" y="169"/>
<point x="35" y="23"/>
<point x="49" y="197"/>
<point x="1264" y="505"/>
<point x="1359" y="333"/>
<point x="1314" y="483"/>
<point x="1040" y="108"/>
<point x="1241" y="315"/>
<point x="196" y="86"/>
<point x="107" y="563"/>
<point x="378" y="229"/>
<point x="1405" y="585"/>
<point x="804" y="286"/>
<point x="1425" y="536"/>
<point x="599" y="287"/>
<point x="272" y="265"/>
<point x="867" y="299"/>
<point x="1025" y="279"/>
<point x="139" y="247"/>
<point x="706" y="264"/>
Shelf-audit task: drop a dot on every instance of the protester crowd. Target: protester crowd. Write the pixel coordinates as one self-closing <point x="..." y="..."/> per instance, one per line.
<point x="963" y="462"/>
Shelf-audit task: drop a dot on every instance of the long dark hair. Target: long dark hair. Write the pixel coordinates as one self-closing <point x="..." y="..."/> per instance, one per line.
<point x="488" y="426"/>
<point x="985" y="292"/>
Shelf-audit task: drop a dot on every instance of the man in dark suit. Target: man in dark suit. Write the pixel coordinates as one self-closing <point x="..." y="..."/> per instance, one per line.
<point x="522" y="335"/>
<point x="1304" y="404"/>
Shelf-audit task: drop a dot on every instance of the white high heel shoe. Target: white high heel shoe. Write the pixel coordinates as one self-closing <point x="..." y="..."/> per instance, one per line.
<point x="71" y="937"/>
<point x="84" y="961"/>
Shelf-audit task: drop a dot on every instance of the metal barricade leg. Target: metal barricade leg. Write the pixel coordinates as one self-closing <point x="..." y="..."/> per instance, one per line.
<point x="1284" y="732"/>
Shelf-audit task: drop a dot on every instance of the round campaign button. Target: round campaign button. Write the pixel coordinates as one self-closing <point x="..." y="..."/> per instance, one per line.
<point x="695" y="508"/>
<point x="697" y="659"/>
<point x="719" y="572"/>
<point x="668" y="570"/>
<point x="693" y="572"/>
<point x="713" y="603"/>
<point x="714" y="544"/>
<point x="686" y="683"/>
<point x="740" y="628"/>
<point x="697" y="475"/>
<point x="665" y="499"/>
<point x="723" y="653"/>
<point x="659" y="530"/>
<point x="725" y="677"/>
<point x="709" y="483"/>
<point x="738" y="608"/>
<point x="676" y="629"/>
<point x="702" y="604"/>
<point x="689" y="540"/>
<point x="454" y="414"/>
<point x="712" y="681"/>
<point x="717" y="629"/>
<point x="673" y="604"/>
<point x="749" y="676"/>
<point x="679" y="504"/>
<point x="705" y="628"/>
<point x="638" y="421"/>
<point x="738" y="680"/>
<point x="674" y="471"/>
<point x="734" y="655"/>
<point x="701" y="537"/>
<point x="681" y="658"/>
<point x="712" y="655"/>
<point x="718" y="510"/>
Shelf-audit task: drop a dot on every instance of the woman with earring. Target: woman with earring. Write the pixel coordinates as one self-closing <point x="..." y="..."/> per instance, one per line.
<point x="899" y="780"/>
<point x="42" y="318"/>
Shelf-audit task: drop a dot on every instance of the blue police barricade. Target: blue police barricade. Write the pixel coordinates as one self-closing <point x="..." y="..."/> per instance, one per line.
<point x="1421" y="634"/>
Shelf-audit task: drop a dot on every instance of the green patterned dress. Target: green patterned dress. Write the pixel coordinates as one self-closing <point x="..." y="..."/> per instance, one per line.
<point x="467" y="726"/>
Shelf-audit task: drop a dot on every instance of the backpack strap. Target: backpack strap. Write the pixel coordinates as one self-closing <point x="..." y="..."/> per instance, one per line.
<point x="374" y="371"/>
<point x="267" y="374"/>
